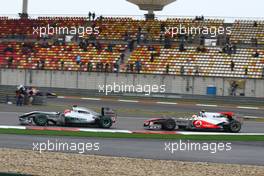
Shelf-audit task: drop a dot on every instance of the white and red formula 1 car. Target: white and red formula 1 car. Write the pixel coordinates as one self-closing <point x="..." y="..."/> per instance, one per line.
<point x="223" y="121"/>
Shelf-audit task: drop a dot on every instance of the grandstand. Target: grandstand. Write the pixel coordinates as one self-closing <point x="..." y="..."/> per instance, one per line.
<point x="135" y="46"/>
<point x="209" y="63"/>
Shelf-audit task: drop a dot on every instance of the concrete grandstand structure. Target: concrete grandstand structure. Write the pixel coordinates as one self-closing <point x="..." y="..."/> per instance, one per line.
<point x="124" y="41"/>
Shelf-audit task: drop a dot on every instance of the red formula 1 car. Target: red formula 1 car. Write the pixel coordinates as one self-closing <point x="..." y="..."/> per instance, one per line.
<point x="223" y="121"/>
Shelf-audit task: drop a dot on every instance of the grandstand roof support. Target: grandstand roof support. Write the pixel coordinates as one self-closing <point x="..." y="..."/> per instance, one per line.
<point x="25" y="7"/>
<point x="151" y="5"/>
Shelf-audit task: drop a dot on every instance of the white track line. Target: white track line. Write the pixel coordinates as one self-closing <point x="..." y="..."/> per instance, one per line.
<point x="216" y="133"/>
<point x="12" y="127"/>
<point x="206" y="105"/>
<point x="166" y="103"/>
<point x="253" y="117"/>
<point x="247" y="107"/>
<point x="94" y="99"/>
<point x="129" y="101"/>
<point x="60" y="97"/>
<point x="104" y="130"/>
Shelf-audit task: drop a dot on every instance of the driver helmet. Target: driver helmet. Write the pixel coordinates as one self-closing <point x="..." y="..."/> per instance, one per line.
<point x="202" y="113"/>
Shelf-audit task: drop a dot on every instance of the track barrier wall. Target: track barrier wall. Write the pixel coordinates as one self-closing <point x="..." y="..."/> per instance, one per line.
<point x="187" y="85"/>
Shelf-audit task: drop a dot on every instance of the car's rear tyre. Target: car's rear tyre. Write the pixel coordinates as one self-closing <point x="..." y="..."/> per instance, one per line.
<point x="40" y="120"/>
<point x="234" y="126"/>
<point x="105" y="122"/>
<point x="169" y="125"/>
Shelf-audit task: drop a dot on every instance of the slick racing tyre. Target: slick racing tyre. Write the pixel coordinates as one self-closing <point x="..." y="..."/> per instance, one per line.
<point x="169" y="125"/>
<point x="234" y="126"/>
<point x="41" y="120"/>
<point x="105" y="122"/>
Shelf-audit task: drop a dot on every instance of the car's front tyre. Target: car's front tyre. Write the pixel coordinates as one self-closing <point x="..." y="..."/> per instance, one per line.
<point x="40" y="120"/>
<point x="169" y="125"/>
<point x="234" y="126"/>
<point x="105" y="122"/>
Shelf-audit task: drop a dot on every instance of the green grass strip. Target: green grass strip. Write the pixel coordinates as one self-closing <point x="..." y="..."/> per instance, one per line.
<point x="134" y="136"/>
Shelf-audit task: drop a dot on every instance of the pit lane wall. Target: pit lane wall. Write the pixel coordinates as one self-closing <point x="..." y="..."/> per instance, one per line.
<point x="188" y="85"/>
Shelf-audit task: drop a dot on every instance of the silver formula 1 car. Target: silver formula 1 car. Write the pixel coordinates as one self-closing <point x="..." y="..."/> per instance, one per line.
<point x="76" y="116"/>
<point x="223" y="121"/>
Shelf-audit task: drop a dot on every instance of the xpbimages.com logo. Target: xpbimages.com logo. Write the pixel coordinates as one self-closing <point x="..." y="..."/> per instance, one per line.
<point x="213" y="31"/>
<point x="183" y="146"/>
<point x="126" y="88"/>
<point x="59" y="146"/>
<point x="81" y="31"/>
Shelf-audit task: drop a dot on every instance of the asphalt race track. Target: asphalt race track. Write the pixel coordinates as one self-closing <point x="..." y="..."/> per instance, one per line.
<point x="241" y="153"/>
<point x="130" y="123"/>
<point x="127" y="121"/>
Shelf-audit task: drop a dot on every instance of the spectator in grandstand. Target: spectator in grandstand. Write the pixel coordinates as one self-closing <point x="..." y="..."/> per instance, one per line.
<point x="131" y="67"/>
<point x="167" y="42"/>
<point x="44" y="44"/>
<point x="151" y="48"/>
<point x="182" y="70"/>
<point x="162" y="27"/>
<point x="122" y="58"/>
<point x="139" y="29"/>
<point x="10" y="61"/>
<point x="167" y="69"/>
<point x="246" y="70"/>
<point x="98" y="46"/>
<point x="199" y="18"/>
<point x="152" y="57"/>
<point x="202" y="39"/>
<point x="9" y="48"/>
<point x="78" y="59"/>
<point x="42" y="64"/>
<point x="161" y="37"/>
<point x="256" y="54"/>
<point x="93" y="16"/>
<point x="196" y="70"/>
<point x="126" y="36"/>
<point x="110" y="47"/>
<point x="89" y="66"/>
<point x="254" y="42"/>
<point x="182" y="47"/>
<point x="138" y="66"/>
<point x="255" y="24"/>
<point x="97" y="67"/>
<point x="198" y="49"/>
<point x="101" y="18"/>
<point x="127" y="68"/>
<point x="116" y="67"/>
<point x="232" y="65"/>
<point x="234" y="49"/>
<point x="263" y="72"/>
<point x="89" y="16"/>
<point x="131" y="45"/>
<point x="107" y="67"/>
<point x="38" y="64"/>
<point x="83" y="45"/>
<point x="101" y="66"/>
<point x="62" y="64"/>
<point x="227" y="40"/>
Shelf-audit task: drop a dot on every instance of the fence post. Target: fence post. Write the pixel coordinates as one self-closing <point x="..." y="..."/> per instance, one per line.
<point x="0" y="76"/>
<point x="25" y="80"/>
